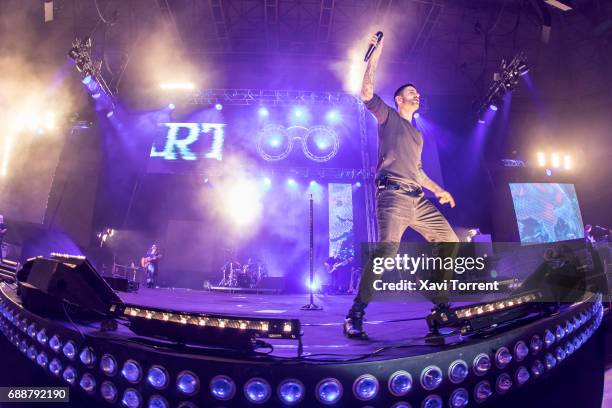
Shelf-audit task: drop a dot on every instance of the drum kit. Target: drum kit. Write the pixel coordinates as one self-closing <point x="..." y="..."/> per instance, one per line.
<point x="248" y="275"/>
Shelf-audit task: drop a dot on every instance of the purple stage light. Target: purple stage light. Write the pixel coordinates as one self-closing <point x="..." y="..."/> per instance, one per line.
<point x="481" y="121"/>
<point x="548" y="172"/>
<point x="274" y="141"/>
<point x="87" y="80"/>
<point x="96" y="95"/>
<point x="263" y="112"/>
<point x="109" y="114"/>
<point x="291" y="183"/>
<point x="358" y="184"/>
<point x="417" y="115"/>
<point x="493" y="107"/>
<point x="333" y="116"/>
<point x="218" y="106"/>
<point x="267" y="182"/>
<point x="171" y="106"/>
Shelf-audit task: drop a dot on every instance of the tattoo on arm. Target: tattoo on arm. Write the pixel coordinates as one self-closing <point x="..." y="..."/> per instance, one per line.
<point x="427" y="182"/>
<point x="367" y="86"/>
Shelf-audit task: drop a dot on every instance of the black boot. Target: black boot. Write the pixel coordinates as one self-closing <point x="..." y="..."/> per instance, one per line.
<point x="353" y="325"/>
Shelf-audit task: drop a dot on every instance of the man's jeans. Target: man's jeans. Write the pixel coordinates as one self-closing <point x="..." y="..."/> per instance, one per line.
<point x="396" y="210"/>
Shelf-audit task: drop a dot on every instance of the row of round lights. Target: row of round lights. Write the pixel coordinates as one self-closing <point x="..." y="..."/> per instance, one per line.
<point x="291" y="391"/>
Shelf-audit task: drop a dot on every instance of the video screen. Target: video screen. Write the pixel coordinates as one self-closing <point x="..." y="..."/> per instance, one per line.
<point x="546" y="212"/>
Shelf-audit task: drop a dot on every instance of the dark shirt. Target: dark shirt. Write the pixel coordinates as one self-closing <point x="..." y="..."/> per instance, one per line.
<point x="2" y="228"/>
<point x="399" y="144"/>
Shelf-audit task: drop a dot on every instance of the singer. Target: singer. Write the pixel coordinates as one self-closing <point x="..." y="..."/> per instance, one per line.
<point x="400" y="179"/>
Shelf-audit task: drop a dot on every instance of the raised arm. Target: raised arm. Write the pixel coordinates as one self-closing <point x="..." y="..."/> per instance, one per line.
<point x="367" y="86"/>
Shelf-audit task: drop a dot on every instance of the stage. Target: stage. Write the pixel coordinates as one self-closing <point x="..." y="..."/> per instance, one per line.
<point x="322" y="329"/>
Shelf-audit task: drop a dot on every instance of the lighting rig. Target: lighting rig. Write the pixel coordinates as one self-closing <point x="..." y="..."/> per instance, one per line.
<point x="80" y="53"/>
<point x="503" y="81"/>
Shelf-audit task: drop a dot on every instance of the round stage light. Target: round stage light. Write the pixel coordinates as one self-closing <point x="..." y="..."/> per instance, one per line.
<point x="459" y="398"/>
<point x="365" y="387"/>
<point x="431" y="377"/>
<point x="131" y="398"/>
<point x="23" y="325"/>
<point x="88" y="357"/>
<point x="187" y="383"/>
<point x="559" y="332"/>
<point x="521" y="350"/>
<point x="32" y="353"/>
<point x="535" y="344"/>
<point x="70" y="375"/>
<point x="32" y="330"/>
<point x="187" y="404"/>
<point x="576" y="343"/>
<point x="171" y="106"/>
<point x="55" y="366"/>
<point x="401" y="404"/>
<point x="482" y="364"/>
<point x="329" y="391"/>
<point x="108" y="365"/>
<point x="291" y="391"/>
<point x="69" y="350"/>
<point x="522" y="375"/>
<point x="537" y="369"/>
<point x="432" y="401"/>
<point x="23" y="346"/>
<point x="482" y="391"/>
<point x="550" y="361"/>
<point x="157" y="377"/>
<point x="503" y="383"/>
<point x="88" y="383"/>
<point x="55" y="343"/>
<point x="458" y="371"/>
<point x="416" y="115"/>
<point x="131" y="371"/>
<point x="400" y="383"/>
<point x="157" y="401"/>
<point x="549" y="338"/>
<point x="503" y="357"/>
<point x="560" y="354"/>
<point x="108" y="391"/>
<point x="218" y="106"/>
<point x="263" y="112"/>
<point x="222" y="388"/>
<point x="41" y="337"/>
<point x="569" y="347"/>
<point x="257" y="390"/>
<point x="42" y="359"/>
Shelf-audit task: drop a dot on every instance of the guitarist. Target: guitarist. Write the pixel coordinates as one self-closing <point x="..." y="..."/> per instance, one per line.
<point x="151" y="264"/>
<point x="338" y="267"/>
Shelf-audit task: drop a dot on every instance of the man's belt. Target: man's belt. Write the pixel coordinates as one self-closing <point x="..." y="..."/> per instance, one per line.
<point x="384" y="183"/>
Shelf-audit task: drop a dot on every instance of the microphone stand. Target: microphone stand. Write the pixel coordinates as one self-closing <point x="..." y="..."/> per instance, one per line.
<point x="311" y="305"/>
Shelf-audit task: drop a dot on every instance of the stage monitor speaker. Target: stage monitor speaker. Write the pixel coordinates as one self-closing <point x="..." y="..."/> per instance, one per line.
<point x="272" y="282"/>
<point x="46" y="286"/>
<point x="121" y="284"/>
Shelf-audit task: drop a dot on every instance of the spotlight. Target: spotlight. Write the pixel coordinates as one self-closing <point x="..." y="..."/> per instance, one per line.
<point x="291" y="391"/>
<point x="42" y="359"/>
<point x="157" y="377"/>
<point x="218" y="106"/>
<point x="535" y="344"/>
<point x="41" y="337"/>
<point x="222" y="388"/>
<point x="522" y="69"/>
<point x="358" y="184"/>
<point x="171" y="106"/>
<point x="257" y="390"/>
<point x="329" y="391"/>
<point x="70" y="375"/>
<point x="108" y="391"/>
<point x="69" y="350"/>
<point x="88" y="383"/>
<point x="555" y="160"/>
<point x="263" y="112"/>
<point x="87" y="357"/>
<point x="87" y="80"/>
<point x="541" y="159"/>
<point x="433" y="401"/>
<point x="267" y="181"/>
<point x="157" y="401"/>
<point x="298" y="113"/>
<point x="503" y="383"/>
<point x="110" y="113"/>
<point x="332" y="117"/>
<point x="493" y="106"/>
<point x="55" y="366"/>
<point x="431" y="377"/>
<point x="400" y="383"/>
<point x="550" y="361"/>
<point x="458" y="371"/>
<point x="481" y="120"/>
<point x="108" y="365"/>
<point x="131" y="371"/>
<point x="522" y="375"/>
<point x="291" y="183"/>
<point x="482" y="391"/>
<point x="416" y="115"/>
<point x="365" y="387"/>
<point x="32" y="353"/>
<point x="567" y="162"/>
<point x="187" y="383"/>
<point x="459" y="398"/>
<point x="131" y="398"/>
<point x="549" y="172"/>
<point x="521" y="350"/>
<point x="482" y="364"/>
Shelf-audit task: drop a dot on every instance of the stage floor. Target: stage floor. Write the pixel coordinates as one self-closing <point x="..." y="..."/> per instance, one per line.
<point x="322" y="329"/>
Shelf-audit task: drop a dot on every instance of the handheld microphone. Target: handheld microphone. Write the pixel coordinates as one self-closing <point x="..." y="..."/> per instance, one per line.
<point x="372" y="47"/>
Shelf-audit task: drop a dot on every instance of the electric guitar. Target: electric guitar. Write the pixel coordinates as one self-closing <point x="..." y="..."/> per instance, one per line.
<point x="146" y="260"/>
<point x="338" y="265"/>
